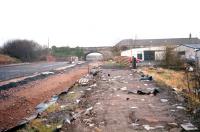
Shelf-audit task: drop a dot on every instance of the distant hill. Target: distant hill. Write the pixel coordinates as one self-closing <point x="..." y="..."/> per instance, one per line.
<point x="157" y="42"/>
<point x="5" y="59"/>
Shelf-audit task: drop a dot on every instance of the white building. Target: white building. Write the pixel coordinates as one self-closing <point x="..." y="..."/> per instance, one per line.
<point x="189" y="51"/>
<point x="146" y="54"/>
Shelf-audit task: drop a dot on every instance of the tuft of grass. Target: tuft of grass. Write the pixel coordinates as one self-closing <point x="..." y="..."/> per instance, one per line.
<point x="37" y="125"/>
<point x="173" y="79"/>
<point x="53" y="108"/>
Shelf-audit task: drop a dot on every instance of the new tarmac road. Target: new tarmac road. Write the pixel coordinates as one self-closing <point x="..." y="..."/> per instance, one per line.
<point x="14" y="71"/>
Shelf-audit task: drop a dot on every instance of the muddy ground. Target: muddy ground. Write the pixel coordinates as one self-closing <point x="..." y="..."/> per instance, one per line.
<point x="19" y="102"/>
<point x="109" y="103"/>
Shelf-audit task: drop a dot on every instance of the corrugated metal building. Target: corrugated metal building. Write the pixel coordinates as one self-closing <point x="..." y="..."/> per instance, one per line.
<point x="146" y="54"/>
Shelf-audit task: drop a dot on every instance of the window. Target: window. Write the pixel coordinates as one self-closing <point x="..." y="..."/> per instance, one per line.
<point x="139" y="56"/>
<point x="181" y="53"/>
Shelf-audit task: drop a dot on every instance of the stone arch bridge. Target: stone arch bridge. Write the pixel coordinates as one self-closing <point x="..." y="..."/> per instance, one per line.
<point x="105" y="51"/>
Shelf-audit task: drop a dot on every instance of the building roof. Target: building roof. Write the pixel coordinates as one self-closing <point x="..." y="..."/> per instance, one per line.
<point x="194" y="46"/>
<point x="157" y="42"/>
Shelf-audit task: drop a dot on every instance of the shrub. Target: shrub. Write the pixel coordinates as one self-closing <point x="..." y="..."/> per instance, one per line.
<point x="25" y="50"/>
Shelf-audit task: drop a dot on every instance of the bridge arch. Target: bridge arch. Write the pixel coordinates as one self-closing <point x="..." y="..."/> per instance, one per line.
<point x="90" y="52"/>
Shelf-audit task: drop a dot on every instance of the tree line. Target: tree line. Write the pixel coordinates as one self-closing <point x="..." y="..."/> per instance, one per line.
<point x="29" y="50"/>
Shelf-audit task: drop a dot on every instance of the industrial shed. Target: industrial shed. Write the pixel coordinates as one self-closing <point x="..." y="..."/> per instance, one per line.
<point x="146" y="54"/>
<point x="189" y="51"/>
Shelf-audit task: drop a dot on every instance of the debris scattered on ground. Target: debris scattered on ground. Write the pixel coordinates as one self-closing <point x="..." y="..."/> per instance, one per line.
<point x="123" y="88"/>
<point x="181" y="107"/>
<point x="88" y="110"/>
<point x="134" y="107"/>
<point x="43" y="106"/>
<point x="146" y="78"/>
<point x="47" y="73"/>
<point x="93" y="85"/>
<point x="148" y="127"/>
<point x="189" y="127"/>
<point x="163" y="100"/>
<point x="83" y="81"/>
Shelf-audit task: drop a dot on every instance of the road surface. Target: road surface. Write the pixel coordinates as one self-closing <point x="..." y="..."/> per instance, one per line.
<point x="10" y="72"/>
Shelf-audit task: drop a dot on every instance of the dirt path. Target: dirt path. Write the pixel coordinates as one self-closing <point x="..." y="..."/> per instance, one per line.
<point x="114" y="110"/>
<point x="20" y="102"/>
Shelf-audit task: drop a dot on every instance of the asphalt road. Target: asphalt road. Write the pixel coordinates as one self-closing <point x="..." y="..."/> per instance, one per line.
<point x="10" y="72"/>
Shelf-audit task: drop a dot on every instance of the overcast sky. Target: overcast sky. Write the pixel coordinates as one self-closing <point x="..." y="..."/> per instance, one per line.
<point x="97" y="22"/>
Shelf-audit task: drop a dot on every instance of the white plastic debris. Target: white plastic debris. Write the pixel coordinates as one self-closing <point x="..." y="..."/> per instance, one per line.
<point x="135" y="124"/>
<point x="78" y="100"/>
<point x="181" y="107"/>
<point x="92" y="86"/>
<point x="134" y="107"/>
<point x="147" y="127"/>
<point x="88" y="89"/>
<point x="163" y="100"/>
<point x="83" y="81"/>
<point x="123" y="88"/>
<point x="145" y="84"/>
<point x="88" y="110"/>
<point x="189" y="127"/>
<point x="47" y="73"/>
<point x="117" y="77"/>
<point x="142" y="99"/>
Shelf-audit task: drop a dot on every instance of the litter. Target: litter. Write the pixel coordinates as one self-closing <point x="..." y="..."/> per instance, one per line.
<point x="91" y="125"/>
<point x="68" y="119"/>
<point x="148" y="91"/>
<point x="78" y="100"/>
<point x="134" y="107"/>
<point x="43" y="106"/>
<point x="163" y="100"/>
<point x="31" y="117"/>
<point x="135" y="124"/>
<point x="173" y="124"/>
<point x="88" y="89"/>
<point x="88" y="110"/>
<point x="147" y="127"/>
<point x="94" y="71"/>
<point x="146" y="78"/>
<point x="47" y="73"/>
<point x="181" y="107"/>
<point x="92" y="86"/>
<point x="123" y="88"/>
<point x="83" y="81"/>
<point x="117" y="77"/>
<point x="145" y="84"/>
<point x="189" y="127"/>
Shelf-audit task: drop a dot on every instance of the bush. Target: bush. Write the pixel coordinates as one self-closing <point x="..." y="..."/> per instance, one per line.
<point x="171" y="59"/>
<point x="25" y="50"/>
